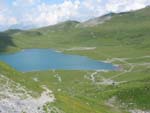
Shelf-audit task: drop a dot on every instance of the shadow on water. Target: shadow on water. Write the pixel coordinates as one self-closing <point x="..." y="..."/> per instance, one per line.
<point x="5" y="41"/>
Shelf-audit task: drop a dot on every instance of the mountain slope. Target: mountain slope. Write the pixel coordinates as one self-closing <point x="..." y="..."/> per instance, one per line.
<point x="96" y="21"/>
<point x="127" y="29"/>
<point x="123" y="40"/>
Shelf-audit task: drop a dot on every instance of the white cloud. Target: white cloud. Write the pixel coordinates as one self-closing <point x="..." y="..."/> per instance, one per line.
<point x="24" y="2"/>
<point x="38" y="13"/>
<point x="92" y="8"/>
<point x="3" y="6"/>
<point x="7" y="21"/>
<point x="45" y="14"/>
<point x="126" y="5"/>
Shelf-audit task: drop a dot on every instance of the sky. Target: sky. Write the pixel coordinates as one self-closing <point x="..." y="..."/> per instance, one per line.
<point x="26" y="14"/>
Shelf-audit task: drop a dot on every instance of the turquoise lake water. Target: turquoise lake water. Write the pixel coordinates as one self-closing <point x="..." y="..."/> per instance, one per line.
<point x="47" y="59"/>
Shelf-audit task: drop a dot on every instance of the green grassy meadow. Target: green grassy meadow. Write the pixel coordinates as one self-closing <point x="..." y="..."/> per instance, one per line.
<point x="123" y="40"/>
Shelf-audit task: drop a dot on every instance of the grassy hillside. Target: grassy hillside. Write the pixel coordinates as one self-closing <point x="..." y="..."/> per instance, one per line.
<point x="123" y="40"/>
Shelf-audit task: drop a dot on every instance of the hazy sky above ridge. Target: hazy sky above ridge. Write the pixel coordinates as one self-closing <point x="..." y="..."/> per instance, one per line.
<point x="38" y="13"/>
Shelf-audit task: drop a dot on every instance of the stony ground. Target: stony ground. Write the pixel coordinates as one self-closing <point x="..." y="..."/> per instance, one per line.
<point x="15" y="98"/>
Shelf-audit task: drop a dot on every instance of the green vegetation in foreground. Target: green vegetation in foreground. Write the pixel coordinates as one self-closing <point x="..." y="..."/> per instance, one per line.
<point x="126" y="37"/>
